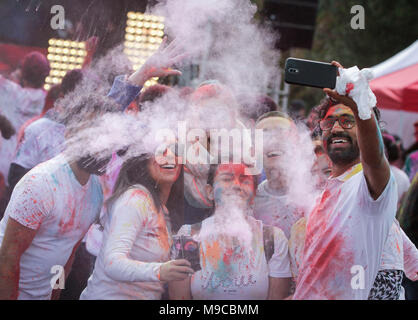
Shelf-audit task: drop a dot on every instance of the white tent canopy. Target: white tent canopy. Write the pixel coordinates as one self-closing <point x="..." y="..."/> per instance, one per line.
<point x="403" y="59"/>
<point x="399" y="121"/>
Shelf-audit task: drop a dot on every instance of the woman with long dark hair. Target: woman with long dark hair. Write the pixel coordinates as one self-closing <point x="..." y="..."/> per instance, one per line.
<point x="133" y="262"/>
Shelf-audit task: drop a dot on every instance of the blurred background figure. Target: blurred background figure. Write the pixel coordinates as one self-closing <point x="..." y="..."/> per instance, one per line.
<point x="399" y="144"/>
<point x="297" y="110"/>
<point x="322" y="166"/>
<point x="22" y="101"/>
<point x="392" y="154"/>
<point x="41" y="137"/>
<point x="414" y="146"/>
<point x="411" y="161"/>
<point x="6" y="130"/>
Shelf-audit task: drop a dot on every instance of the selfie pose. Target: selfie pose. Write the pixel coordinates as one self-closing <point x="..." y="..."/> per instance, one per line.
<point x="351" y="222"/>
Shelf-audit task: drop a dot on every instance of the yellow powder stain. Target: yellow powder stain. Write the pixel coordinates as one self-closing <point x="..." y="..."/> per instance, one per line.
<point x="203" y="259"/>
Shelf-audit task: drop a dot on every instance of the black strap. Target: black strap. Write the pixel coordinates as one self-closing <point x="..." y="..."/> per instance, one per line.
<point x="268" y="240"/>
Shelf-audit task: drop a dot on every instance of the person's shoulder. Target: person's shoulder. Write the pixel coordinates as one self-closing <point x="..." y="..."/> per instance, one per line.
<point x="137" y="196"/>
<point x="138" y="191"/>
<point x="38" y="177"/>
<point x="36" y="127"/>
<point x="401" y="174"/>
<point x="51" y="167"/>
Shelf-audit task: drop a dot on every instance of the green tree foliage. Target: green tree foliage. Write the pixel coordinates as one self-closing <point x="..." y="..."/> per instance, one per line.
<point x="390" y="26"/>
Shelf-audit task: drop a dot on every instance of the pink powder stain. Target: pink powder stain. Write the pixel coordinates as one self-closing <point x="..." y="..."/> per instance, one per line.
<point x="325" y="258"/>
<point x="66" y="226"/>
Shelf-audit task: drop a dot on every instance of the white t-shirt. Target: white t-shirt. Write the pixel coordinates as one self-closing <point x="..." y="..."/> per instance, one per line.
<point x="230" y="272"/>
<point x="347" y="228"/>
<point x="392" y="255"/>
<point x="50" y="199"/>
<point x="136" y="241"/>
<point x="402" y="180"/>
<point x="43" y="140"/>
<point x="18" y="105"/>
<point x="272" y="209"/>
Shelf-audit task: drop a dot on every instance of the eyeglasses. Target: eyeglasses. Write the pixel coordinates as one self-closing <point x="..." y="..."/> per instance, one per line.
<point x="345" y="121"/>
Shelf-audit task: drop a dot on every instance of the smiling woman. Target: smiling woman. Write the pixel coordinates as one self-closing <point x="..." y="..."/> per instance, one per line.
<point x="133" y="262"/>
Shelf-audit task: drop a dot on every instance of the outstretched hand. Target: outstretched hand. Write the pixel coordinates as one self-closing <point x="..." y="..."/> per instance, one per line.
<point x="160" y="63"/>
<point x="346" y="100"/>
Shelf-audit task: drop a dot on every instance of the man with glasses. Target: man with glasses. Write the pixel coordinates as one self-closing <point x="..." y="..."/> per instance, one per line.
<point x="347" y="229"/>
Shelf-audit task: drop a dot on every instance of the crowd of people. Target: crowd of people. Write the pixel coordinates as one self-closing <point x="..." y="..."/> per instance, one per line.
<point x="111" y="221"/>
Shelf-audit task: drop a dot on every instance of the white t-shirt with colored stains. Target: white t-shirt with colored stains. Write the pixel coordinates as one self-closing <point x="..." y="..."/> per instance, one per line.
<point x="43" y="140"/>
<point x="272" y="208"/>
<point x="399" y="253"/>
<point x="136" y="242"/>
<point x="346" y="228"/>
<point x="229" y="271"/>
<point x="18" y="105"/>
<point x="50" y="199"/>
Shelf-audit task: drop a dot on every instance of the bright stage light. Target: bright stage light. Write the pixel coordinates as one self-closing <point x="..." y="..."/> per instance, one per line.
<point x="143" y="36"/>
<point x="63" y="55"/>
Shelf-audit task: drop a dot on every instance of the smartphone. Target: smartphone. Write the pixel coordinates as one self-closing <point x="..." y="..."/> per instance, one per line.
<point x="310" y="73"/>
<point x="185" y="247"/>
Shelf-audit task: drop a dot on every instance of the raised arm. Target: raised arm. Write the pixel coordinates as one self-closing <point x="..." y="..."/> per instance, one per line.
<point x="370" y="142"/>
<point x="126" y="89"/>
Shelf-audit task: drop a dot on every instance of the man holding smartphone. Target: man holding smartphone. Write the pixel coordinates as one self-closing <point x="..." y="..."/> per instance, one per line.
<point x="347" y="230"/>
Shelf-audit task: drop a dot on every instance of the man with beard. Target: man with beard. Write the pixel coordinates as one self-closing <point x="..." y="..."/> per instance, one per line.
<point x="347" y="230"/>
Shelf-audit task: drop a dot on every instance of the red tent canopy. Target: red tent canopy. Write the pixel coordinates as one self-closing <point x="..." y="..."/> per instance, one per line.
<point x="398" y="90"/>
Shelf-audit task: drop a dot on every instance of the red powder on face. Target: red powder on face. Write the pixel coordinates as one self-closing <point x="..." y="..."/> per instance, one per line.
<point x="237" y="169"/>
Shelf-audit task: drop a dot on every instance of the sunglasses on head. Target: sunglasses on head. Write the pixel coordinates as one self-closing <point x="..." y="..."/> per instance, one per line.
<point x="345" y="121"/>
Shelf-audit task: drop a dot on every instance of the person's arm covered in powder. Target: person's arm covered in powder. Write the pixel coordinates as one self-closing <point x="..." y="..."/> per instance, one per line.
<point x="126" y="89"/>
<point x="410" y="257"/>
<point x="29" y="206"/>
<point x="372" y="154"/>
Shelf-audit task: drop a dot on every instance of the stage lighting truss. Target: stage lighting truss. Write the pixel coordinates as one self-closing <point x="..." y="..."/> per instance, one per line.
<point x="144" y="34"/>
<point x="63" y="56"/>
